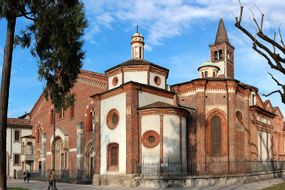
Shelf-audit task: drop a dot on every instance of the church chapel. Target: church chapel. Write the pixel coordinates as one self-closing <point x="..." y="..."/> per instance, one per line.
<point x="129" y="118"/>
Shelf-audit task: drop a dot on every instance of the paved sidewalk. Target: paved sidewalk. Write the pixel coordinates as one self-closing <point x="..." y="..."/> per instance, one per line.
<point x="40" y="185"/>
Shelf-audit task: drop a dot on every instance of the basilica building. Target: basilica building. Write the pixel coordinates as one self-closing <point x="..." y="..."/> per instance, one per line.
<point x="129" y="118"/>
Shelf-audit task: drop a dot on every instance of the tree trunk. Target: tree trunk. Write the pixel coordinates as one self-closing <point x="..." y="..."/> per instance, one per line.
<point x="4" y="94"/>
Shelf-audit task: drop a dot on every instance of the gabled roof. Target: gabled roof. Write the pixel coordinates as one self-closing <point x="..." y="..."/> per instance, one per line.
<point x="221" y="35"/>
<point x="267" y="105"/>
<point x="277" y="111"/>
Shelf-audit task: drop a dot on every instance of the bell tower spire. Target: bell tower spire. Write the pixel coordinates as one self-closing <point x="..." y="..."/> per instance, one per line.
<point x="137" y="44"/>
<point x="222" y="53"/>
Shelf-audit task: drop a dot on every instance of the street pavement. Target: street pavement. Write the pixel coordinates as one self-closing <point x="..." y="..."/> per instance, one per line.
<point x="41" y="185"/>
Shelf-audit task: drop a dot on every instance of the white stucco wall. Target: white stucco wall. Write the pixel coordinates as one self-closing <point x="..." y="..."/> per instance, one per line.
<point x="152" y="83"/>
<point x="14" y="147"/>
<point x="184" y="146"/>
<point x="171" y="138"/>
<point x="110" y="79"/>
<point x="147" y="98"/>
<point x="137" y="76"/>
<point x="118" y="135"/>
<point x="150" y="122"/>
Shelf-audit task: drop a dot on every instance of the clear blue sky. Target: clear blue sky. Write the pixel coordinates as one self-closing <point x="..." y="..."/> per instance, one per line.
<point x="177" y="35"/>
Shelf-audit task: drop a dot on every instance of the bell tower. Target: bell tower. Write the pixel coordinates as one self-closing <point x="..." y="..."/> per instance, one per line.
<point x="222" y="53"/>
<point x="137" y="44"/>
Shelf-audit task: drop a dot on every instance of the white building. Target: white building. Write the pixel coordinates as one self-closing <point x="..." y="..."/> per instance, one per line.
<point x="19" y="146"/>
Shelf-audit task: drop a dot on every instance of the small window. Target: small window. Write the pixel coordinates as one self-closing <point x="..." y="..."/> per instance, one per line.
<point x="220" y="54"/>
<point x="17" y="136"/>
<point x="206" y="74"/>
<point x="113" y="157"/>
<point x="202" y="74"/>
<point x="51" y="117"/>
<point x="150" y="139"/>
<point x="113" y="119"/>
<point x="37" y="135"/>
<point x="216" y="56"/>
<point x="115" y="81"/>
<point x="90" y="121"/>
<point x="239" y="117"/>
<point x="157" y="80"/>
<point x="16" y="159"/>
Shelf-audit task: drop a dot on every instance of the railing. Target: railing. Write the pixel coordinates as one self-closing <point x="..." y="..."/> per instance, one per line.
<point x="208" y="168"/>
<point x="74" y="176"/>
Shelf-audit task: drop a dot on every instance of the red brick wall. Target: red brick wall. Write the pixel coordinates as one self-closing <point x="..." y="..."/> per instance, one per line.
<point x="41" y="115"/>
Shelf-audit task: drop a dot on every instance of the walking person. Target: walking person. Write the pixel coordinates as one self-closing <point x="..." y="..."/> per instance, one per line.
<point x="25" y="176"/>
<point x="28" y="176"/>
<point x="51" y="178"/>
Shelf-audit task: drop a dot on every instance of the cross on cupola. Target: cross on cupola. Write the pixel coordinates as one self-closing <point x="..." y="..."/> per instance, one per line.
<point x="137" y="44"/>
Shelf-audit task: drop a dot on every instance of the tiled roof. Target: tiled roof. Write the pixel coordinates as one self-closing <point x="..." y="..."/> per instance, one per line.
<point x="137" y="62"/>
<point x="160" y="105"/>
<point x="19" y="123"/>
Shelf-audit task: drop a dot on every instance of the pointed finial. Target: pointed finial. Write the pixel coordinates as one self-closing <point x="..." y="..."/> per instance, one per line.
<point x="137" y="28"/>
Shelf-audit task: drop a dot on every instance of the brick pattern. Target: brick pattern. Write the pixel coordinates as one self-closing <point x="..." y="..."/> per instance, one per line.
<point x="41" y="115"/>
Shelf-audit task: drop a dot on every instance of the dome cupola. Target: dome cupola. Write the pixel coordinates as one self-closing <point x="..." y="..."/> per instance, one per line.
<point x="208" y="70"/>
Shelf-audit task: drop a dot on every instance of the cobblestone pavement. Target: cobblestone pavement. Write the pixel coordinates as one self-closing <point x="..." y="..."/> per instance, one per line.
<point x="40" y="185"/>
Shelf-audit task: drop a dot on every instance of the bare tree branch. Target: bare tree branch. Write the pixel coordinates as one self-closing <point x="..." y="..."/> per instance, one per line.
<point x="278" y="83"/>
<point x="281" y="39"/>
<point x="253" y="17"/>
<point x="262" y="16"/>
<point x="269" y="40"/>
<point x="273" y="92"/>
<point x="265" y="56"/>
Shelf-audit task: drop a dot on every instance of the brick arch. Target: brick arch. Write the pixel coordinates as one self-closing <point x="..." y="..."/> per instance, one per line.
<point x="89" y="158"/>
<point x="222" y="116"/>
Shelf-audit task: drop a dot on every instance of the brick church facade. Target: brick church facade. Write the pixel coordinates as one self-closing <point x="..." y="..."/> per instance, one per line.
<point x="130" y="116"/>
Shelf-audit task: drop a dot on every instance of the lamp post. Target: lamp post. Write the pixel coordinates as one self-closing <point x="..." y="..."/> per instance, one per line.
<point x="53" y="154"/>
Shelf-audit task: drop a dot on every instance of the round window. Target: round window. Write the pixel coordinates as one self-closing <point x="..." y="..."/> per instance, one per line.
<point x="115" y="81"/>
<point x="112" y="119"/>
<point x="157" y="80"/>
<point x="150" y="139"/>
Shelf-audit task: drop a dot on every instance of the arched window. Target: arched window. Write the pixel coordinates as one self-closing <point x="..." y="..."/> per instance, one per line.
<point x="90" y="121"/>
<point x="38" y="135"/>
<point x="206" y="74"/>
<point x="113" y="157"/>
<point x="216" y="55"/>
<point x="216" y="134"/>
<point x="220" y="54"/>
<point x="202" y="74"/>
<point x="214" y="74"/>
<point x="51" y="116"/>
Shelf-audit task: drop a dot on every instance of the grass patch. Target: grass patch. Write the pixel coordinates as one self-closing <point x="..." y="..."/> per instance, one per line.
<point x="280" y="186"/>
<point x="16" y="188"/>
